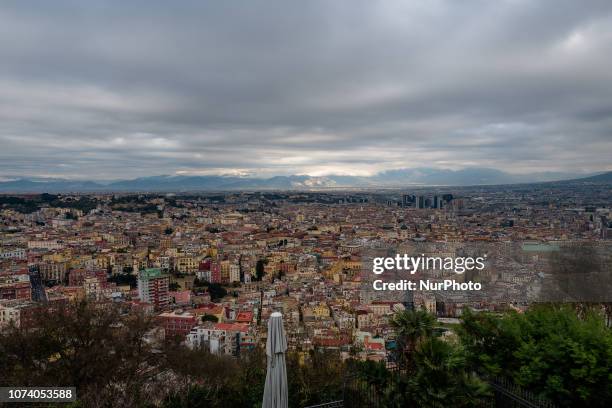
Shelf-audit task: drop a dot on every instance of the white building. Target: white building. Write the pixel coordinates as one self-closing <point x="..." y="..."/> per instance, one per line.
<point x="15" y="253"/>
<point x="220" y="338"/>
<point x="50" y="245"/>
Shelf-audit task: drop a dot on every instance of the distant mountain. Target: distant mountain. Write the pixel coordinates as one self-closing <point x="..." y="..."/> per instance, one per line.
<point x="603" y="178"/>
<point x="47" y="185"/>
<point x="387" y="179"/>
<point x="464" y="177"/>
<point x="425" y="176"/>
<point x="165" y="183"/>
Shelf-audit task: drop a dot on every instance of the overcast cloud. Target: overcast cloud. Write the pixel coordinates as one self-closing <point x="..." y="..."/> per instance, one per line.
<point x="102" y="90"/>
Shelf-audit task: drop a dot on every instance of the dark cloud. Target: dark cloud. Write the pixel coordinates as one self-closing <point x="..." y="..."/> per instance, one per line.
<point x="116" y="89"/>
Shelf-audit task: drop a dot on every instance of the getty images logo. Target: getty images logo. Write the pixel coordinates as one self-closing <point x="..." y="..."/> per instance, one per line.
<point x="413" y="264"/>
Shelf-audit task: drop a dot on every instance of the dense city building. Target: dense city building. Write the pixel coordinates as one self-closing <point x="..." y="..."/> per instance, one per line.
<point x="211" y="268"/>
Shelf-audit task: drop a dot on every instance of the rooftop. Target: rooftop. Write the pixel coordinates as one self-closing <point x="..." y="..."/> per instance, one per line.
<point x="151" y="273"/>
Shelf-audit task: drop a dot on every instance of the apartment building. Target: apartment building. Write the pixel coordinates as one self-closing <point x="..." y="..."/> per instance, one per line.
<point x="153" y="287"/>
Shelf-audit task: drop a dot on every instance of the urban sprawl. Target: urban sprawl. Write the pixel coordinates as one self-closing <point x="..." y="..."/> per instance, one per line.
<point x="211" y="268"/>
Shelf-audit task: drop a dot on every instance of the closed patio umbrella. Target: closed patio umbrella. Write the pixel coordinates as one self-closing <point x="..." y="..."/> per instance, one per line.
<point x="275" y="391"/>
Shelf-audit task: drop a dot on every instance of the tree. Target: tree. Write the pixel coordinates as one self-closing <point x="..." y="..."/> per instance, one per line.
<point x="548" y="350"/>
<point x="205" y="379"/>
<point x="124" y="279"/>
<point x="438" y="375"/>
<point x="216" y="291"/>
<point x="210" y="318"/>
<point x="410" y="327"/>
<point x="260" y="269"/>
<point x="71" y="344"/>
<point x="71" y="216"/>
<point x="442" y="378"/>
<point x="314" y="378"/>
<point x="374" y="374"/>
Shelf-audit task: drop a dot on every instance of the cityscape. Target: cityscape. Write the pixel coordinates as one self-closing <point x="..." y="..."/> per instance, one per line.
<point x="208" y="269"/>
<point x="308" y="204"/>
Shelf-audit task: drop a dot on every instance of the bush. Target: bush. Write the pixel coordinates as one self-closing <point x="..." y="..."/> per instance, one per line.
<point x="548" y="350"/>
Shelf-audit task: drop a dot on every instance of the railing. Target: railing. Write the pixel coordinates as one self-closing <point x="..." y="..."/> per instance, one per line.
<point x="508" y="395"/>
<point x="363" y="392"/>
<point x="333" y="404"/>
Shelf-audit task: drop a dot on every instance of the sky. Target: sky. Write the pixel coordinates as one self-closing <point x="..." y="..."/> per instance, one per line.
<point x="116" y="89"/>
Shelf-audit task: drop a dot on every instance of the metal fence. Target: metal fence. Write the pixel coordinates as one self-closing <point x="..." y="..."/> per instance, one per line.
<point x="508" y="395"/>
<point x="333" y="404"/>
<point x="363" y="392"/>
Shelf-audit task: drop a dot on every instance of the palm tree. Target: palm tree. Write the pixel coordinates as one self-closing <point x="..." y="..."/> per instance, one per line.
<point x="442" y="378"/>
<point x="412" y="326"/>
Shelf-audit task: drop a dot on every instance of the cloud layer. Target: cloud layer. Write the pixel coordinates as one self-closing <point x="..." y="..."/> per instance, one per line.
<point x="113" y="90"/>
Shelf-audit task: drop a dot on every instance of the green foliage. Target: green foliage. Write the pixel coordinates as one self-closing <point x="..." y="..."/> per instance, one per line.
<point x="373" y="373"/>
<point x="134" y="203"/>
<point x="441" y="377"/>
<point x="438" y="373"/>
<point x="195" y="396"/>
<point x="73" y="345"/>
<point x="71" y="216"/>
<point x="411" y="326"/>
<point x="103" y="352"/>
<point x="124" y="279"/>
<point x="259" y="269"/>
<point x="314" y="379"/>
<point x="216" y="291"/>
<point x="548" y="350"/>
<point x="207" y="379"/>
<point x="210" y="318"/>
<point x="31" y="204"/>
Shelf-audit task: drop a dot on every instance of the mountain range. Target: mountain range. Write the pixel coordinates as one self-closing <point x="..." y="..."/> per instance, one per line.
<point x="388" y="179"/>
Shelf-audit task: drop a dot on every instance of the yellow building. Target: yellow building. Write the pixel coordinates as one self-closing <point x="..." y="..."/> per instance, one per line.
<point x="321" y="310"/>
<point x="187" y="264"/>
